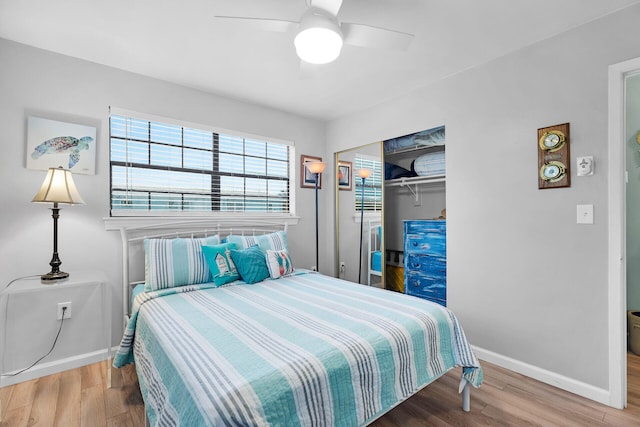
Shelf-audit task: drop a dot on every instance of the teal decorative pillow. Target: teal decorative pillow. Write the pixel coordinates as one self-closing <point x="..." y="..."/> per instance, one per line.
<point x="273" y="241"/>
<point x="279" y="264"/>
<point x="218" y="257"/>
<point x="251" y="264"/>
<point x="176" y="262"/>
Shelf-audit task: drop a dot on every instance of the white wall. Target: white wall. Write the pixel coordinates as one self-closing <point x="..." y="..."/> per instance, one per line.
<point x="36" y="82"/>
<point x="527" y="282"/>
<point x="633" y="191"/>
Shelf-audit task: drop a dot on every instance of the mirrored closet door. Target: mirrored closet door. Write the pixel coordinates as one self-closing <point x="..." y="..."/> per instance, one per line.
<point x="359" y="207"/>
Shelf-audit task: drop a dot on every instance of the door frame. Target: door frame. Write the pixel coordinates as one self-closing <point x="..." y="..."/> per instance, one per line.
<point x="617" y="214"/>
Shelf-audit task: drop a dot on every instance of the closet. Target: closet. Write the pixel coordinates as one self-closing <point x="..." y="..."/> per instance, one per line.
<point x="407" y="185"/>
<point x="415" y="214"/>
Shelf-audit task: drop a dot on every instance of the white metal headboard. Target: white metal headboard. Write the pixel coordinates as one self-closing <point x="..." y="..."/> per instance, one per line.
<point x="132" y="237"/>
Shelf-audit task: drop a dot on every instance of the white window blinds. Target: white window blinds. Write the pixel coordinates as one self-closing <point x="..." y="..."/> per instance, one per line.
<point x="159" y="167"/>
<point x="372" y="185"/>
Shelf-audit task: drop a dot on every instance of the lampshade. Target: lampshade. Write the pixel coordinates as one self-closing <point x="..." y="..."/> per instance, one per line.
<point x="319" y="38"/>
<point x="364" y="173"/>
<point x="58" y="187"/>
<point x="315" y="167"/>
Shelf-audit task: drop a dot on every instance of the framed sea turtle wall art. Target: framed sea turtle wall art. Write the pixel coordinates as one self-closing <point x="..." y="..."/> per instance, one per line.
<point x="51" y="143"/>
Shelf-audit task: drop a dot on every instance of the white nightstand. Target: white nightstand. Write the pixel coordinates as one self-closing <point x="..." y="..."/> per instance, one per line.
<point x="28" y="313"/>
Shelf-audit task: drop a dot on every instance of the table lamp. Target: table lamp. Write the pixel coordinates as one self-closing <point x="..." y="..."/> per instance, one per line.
<point x="58" y="187"/>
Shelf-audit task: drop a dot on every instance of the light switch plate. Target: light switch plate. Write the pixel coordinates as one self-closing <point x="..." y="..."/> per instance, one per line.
<point x="584" y="214"/>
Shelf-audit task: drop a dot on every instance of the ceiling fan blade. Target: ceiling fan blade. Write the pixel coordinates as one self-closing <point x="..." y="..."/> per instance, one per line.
<point x="263" y="24"/>
<point x="330" y="6"/>
<point x="375" y="37"/>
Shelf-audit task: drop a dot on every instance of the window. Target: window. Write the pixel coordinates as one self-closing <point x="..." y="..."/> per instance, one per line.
<point x="372" y="185"/>
<point x="159" y="167"/>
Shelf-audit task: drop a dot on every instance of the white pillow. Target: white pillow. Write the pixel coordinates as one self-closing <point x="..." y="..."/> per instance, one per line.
<point x="276" y="241"/>
<point x="176" y="262"/>
<point x="279" y="263"/>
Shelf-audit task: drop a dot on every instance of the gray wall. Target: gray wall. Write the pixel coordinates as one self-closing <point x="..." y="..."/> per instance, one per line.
<point x="527" y="282"/>
<point x="36" y="82"/>
<point x="633" y="191"/>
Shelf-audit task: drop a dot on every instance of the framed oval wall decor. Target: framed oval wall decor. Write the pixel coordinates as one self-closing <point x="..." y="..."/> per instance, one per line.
<point x="553" y="157"/>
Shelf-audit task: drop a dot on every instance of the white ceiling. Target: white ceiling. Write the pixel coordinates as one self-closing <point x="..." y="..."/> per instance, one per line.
<point x="182" y="42"/>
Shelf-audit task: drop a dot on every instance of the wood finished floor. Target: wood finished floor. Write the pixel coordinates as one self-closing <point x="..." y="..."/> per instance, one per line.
<point x="78" y="398"/>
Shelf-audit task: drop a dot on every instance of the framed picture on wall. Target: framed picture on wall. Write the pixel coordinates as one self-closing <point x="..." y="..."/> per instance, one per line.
<point x="344" y="175"/>
<point x="51" y="144"/>
<point x="308" y="179"/>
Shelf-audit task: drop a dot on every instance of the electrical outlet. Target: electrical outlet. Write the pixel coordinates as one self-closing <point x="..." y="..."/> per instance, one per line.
<point x="67" y="312"/>
<point x="342" y="267"/>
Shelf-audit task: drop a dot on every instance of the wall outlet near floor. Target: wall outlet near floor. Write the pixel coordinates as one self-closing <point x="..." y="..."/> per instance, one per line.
<point x="314" y="268"/>
<point x="67" y="312"/>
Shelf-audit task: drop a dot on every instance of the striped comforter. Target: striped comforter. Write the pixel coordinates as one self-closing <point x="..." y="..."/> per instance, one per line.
<point x="305" y="350"/>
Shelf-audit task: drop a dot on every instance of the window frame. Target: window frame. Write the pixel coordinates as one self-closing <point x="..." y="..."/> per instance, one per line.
<point x="140" y="213"/>
<point x="359" y="158"/>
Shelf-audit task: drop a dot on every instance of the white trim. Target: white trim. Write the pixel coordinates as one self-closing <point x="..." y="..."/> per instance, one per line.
<point x="617" y="274"/>
<point x="53" y="367"/>
<point x="120" y="222"/>
<point x="548" y="377"/>
<point x="369" y="216"/>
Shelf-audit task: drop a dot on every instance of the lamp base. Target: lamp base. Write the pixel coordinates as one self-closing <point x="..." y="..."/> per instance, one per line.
<point x="54" y="275"/>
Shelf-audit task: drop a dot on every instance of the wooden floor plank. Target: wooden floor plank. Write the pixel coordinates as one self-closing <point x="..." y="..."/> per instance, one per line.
<point x="15" y="418"/>
<point x="79" y="397"/>
<point x="92" y="408"/>
<point x="121" y="420"/>
<point x="69" y="399"/>
<point x="22" y="395"/>
<point x="92" y="375"/>
<point x="45" y="401"/>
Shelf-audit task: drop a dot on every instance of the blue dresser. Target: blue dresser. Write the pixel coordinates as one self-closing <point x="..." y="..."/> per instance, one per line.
<point x="425" y="259"/>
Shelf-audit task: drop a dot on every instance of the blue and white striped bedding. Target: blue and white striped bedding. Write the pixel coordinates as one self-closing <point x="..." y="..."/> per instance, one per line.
<point x="301" y="350"/>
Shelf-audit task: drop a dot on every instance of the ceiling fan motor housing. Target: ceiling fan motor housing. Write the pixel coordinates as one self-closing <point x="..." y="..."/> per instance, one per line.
<point x="318" y="37"/>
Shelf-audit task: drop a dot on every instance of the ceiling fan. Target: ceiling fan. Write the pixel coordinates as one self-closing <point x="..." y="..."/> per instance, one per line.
<point x="319" y="35"/>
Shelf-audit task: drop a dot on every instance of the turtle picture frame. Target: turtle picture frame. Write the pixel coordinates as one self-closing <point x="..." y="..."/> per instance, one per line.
<point x="53" y="143"/>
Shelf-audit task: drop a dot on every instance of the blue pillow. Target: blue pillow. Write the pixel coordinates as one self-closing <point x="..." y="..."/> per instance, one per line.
<point x="176" y="262"/>
<point x="251" y="264"/>
<point x="218" y="257"/>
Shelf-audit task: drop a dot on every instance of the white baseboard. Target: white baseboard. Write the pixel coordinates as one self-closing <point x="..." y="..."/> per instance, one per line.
<point x="55" y="366"/>
<point x="569" y="384"/>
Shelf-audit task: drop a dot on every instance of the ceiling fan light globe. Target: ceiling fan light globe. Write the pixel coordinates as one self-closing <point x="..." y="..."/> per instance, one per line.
<point x="318" y="45"/>
<point x="319" y="38"/>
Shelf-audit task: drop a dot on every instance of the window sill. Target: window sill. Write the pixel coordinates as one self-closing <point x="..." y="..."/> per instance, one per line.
<point x="125" y="222"/>
<point x="368" y="217"/>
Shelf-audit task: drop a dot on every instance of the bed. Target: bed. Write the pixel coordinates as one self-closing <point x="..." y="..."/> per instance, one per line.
<point x="299" y="349"/>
